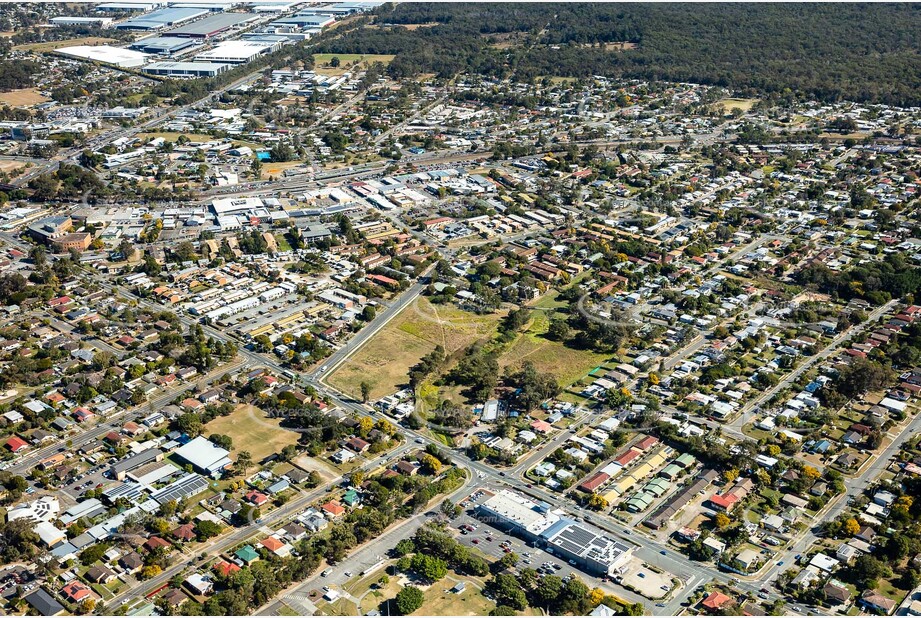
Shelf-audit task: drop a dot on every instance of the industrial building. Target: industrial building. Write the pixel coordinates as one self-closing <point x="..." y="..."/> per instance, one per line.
<point x="163" y="18"/>
<point x="234" y="52"/>
<point x="99" y="22"/>
<point x="163" y="45"/>
<point x="129" y="5"/>
<point x="212" y="25"/>
<point x="107" y="54"/>
<point x="581" y="543"/>
<point x="204" y="455"/>
<point x="189" y="485"/>
<point x="305" y="20"/>
<point x="185" y="69"/>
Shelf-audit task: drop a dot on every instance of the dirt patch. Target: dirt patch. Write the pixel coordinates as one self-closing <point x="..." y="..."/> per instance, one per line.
<point x="11" y="166"/>
<point x="277" y="169"/>
<point x="315" y="465"/>
<point x="23" y="98"/>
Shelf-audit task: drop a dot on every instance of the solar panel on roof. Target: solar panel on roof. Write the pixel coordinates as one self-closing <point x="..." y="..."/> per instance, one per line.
<point x="188" y="485"/>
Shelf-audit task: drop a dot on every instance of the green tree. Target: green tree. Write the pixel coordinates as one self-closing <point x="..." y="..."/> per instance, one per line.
<point x="244" y="461"/>
<point x="409" y="599"/>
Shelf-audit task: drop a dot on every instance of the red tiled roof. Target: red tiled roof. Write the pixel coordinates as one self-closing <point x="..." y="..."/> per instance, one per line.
<point x="15" y="443"/>
<point x="716" y="600"/>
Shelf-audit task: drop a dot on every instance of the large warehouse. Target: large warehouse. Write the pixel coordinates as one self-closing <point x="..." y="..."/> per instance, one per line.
<point x="99" y="22"/>
<point x="582" y="543"/>
<point x="161" y="19"/>
<point x="185" y="69"/>
<point x="305" y="20"/>
<point x="163" y="45"/>
<point x="204" y="455"/>
<point x="117" y="56"/>
<point x="212" y="25"/>
<point x="234" y="52"/>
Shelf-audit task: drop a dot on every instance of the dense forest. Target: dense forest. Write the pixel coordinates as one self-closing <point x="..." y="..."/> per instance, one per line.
<point x="865" y="52"/>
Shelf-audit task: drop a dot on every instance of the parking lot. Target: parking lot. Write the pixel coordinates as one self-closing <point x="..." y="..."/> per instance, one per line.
<point x="88" y="479"/>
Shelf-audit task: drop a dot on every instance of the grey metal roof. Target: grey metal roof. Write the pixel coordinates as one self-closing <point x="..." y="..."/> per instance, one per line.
<point x="211" y="24"/>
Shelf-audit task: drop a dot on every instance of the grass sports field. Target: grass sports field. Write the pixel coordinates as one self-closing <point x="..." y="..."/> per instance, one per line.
<point x="251" y="431"/>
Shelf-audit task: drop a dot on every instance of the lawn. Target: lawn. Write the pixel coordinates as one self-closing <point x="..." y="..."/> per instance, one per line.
<point x="340" y="607"/>
<point x="385" y="360"/>
<point x="284" y="610"/>
<point x="347" y="62"/>
<point x="439" y="601"/>
<point x="251" y="431"/>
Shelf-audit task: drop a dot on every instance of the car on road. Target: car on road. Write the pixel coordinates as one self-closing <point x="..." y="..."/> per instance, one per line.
<point x="663" y="552"/>
<point x="419" y="440"/>
<point x="326" y="573"/>
<point x="502" y="474"/>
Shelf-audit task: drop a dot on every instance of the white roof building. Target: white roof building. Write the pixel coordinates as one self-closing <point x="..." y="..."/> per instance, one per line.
<point x="45" y="508"/>
<point x="125" y="58"/>
<point x="233" y="52"/>
<point x="204" y="455"/>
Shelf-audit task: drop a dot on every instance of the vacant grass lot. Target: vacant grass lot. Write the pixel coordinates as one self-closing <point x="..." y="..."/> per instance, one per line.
<point x="52" y="45"/>
<point x="251" y="431"/>
<point x="347" y="62"/>
<point x="439" y="600"/>
<point x="385" y="360"/>
<point x="731" y="104"/>
<point x="22" y="98"/>
<point x="567" y="364"/>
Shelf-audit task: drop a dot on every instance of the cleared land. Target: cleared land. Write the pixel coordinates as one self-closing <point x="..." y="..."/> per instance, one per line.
<point x="23" y="97"/>
<point x="251" y="431"/>
<point x="385" y="360"/>
<point x="731" y="104"/>
<point x="51" y="45"/>
<point x="439" y="600"/>
<point x="277" y="169"/>
<point x="10" y="166"/>
<point x="347" y="62"/>
<point x="172" y="136"/>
